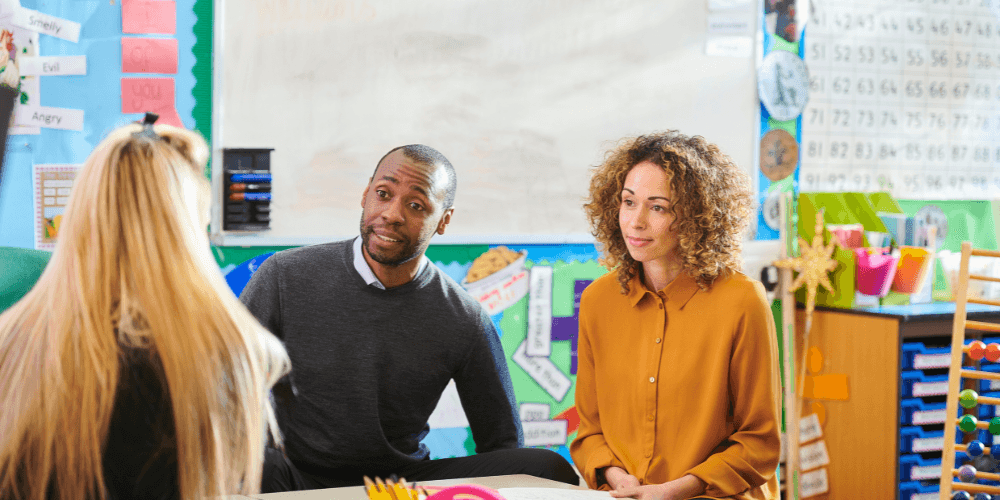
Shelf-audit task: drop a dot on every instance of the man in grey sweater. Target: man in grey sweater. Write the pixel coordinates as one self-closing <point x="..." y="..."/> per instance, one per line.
<point x="375" y="333"/>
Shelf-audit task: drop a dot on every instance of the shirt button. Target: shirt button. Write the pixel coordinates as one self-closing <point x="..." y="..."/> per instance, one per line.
<point x="651" y="417"/>
<point x="652" y="379"/>
<point x="657" y="340"/>
<point x="660" y="306"/>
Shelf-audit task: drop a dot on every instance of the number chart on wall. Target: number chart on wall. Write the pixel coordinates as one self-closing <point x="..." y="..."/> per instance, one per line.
<point x="905" y="97"/>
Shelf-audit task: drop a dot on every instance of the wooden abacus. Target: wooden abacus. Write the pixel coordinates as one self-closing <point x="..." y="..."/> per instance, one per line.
<point x="967" y="474"/>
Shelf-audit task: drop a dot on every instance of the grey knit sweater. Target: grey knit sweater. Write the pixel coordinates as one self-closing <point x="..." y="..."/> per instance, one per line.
<point x="369" y="365"/>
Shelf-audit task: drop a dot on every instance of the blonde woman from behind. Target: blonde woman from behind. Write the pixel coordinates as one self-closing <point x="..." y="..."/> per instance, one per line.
<point x="130" y="370"/>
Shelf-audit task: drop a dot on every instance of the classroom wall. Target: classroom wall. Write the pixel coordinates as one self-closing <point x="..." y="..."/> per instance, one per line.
<point x="98" y="94"/>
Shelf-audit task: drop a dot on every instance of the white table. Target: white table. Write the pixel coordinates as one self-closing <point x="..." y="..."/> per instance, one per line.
<point x="358" y="492"/>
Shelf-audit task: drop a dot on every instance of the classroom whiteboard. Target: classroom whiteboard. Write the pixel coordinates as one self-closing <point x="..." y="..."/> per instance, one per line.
<point x="522" y="96"/>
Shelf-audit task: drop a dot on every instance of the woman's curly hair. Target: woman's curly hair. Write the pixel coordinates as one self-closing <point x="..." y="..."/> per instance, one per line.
<point x="711" y="204"/>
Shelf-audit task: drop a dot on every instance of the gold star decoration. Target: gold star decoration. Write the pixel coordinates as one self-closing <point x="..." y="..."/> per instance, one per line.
<point x="812" y="264"/>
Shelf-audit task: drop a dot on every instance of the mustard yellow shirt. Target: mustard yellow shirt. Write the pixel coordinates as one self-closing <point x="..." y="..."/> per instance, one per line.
<point x="678" y="382"/>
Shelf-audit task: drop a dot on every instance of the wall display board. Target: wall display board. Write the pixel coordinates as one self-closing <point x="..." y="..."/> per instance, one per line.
<point x="86" y="68"/>
<point x="783" y="89"/>
<point x="905" y="97"/>
<point x="522" y="96"/>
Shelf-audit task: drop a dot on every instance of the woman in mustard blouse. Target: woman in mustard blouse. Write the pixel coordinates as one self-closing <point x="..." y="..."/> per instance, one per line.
<point x="677" y="388"/>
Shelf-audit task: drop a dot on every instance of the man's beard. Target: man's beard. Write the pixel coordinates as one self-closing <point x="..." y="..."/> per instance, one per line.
<point x="408" y="251"/>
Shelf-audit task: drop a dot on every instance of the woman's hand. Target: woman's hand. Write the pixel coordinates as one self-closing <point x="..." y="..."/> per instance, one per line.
<point x="648" y="492"/>
<point x="684" y="487"/>
<point x="617" y="478"/>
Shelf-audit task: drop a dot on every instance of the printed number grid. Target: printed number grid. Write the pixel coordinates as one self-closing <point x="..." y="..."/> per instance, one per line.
<point x="904" y="97"/>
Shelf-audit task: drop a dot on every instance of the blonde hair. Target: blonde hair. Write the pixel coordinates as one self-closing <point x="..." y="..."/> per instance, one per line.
<point x="712" y="203"/>
<point x="133" y="269"/>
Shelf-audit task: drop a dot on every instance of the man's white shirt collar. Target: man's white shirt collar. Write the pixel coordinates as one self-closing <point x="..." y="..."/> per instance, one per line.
<point x="361" y="266"/>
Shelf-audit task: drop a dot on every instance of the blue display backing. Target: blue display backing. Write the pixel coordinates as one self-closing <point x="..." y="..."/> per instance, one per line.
<point x="98" y="94"/>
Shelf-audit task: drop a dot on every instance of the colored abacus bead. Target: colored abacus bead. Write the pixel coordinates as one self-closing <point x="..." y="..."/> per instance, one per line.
<point x="977" y="350"/>
<point x="983" y="496"/>
<point x="968" y="398"/>
<point x="974" y="449"/>
<point x="968" y="423"/>
<point x="961" y="495"/>
<point x="995" y="426"/>
<point x="995" y="450"/>
<point x="992" y="353"/>
<point x="967" y="473"/>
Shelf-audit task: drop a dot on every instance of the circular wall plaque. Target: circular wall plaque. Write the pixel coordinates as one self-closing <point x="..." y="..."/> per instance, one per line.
<point x="783" y="84"/>
<point x="779" y="154"/>
<point x="772" y="210"/>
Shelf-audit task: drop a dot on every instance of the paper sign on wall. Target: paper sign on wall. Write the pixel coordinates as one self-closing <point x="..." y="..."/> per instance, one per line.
<point x="723" y="24"/>
<point x="53" y="65"/>
<point x="149" y="55"/>
<point x="149" y="16"/>
<point x="535" y="412"/>
<point x="546" y="433"/>
<point x="809" y="428"/>
<point x="540" y="311"/>
<point x="815" y="483"/>
<point x="729" y="46"/>
<point x="52" y="185"/>
<point x="714" y="5"/>
<point x="42" y="116"/>
<point x="813" y="455"/>
<point x="147" y="94"/>
<point x="543" y="371"/>
<point x="156" y="95"/>
<point x="49" y="25"/>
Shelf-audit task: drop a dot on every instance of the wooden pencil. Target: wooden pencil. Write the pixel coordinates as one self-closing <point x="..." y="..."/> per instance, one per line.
<point x="391" y="488"/>
<point x="409" y="490"/>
